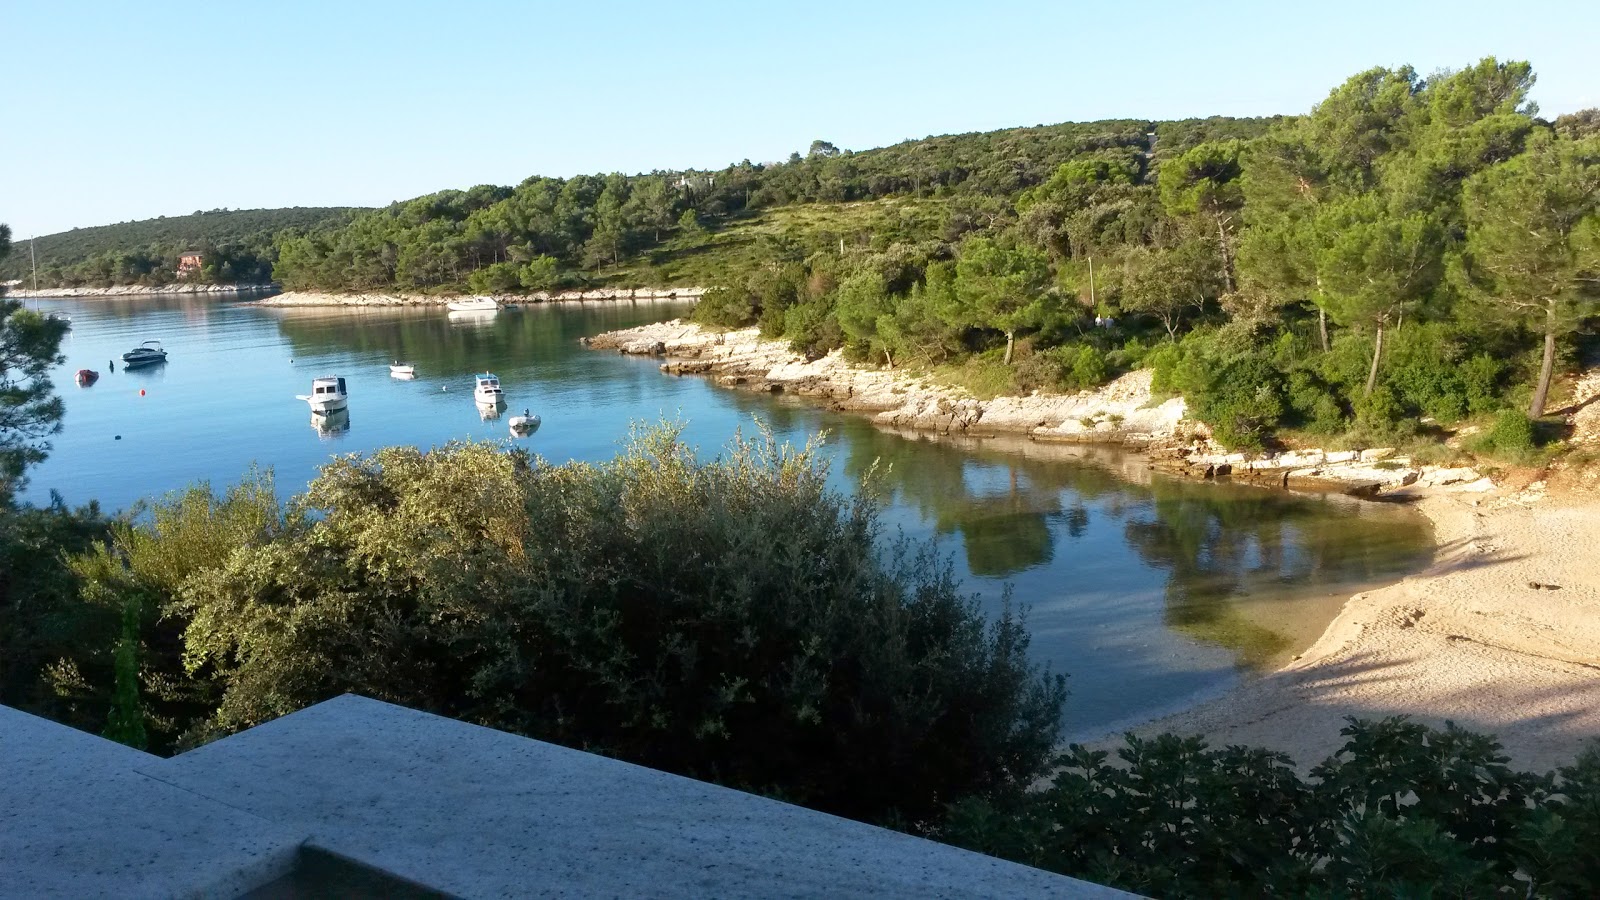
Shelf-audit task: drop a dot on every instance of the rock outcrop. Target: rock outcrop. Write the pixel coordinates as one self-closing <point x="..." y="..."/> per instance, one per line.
<point x="1124" y="412"/>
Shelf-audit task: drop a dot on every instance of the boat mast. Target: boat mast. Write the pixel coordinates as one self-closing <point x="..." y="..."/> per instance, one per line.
<point x="34" y="257"/>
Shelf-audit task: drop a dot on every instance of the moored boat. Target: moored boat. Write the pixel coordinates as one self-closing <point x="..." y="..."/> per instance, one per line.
<point x="144" y="354"/>
<point x="473" y="304"/>
<point x="402" y="370"/>
<point x="328" y="394"/>
<point x="525" y="424"/>
<point x="86" y="377"/>
<point x="488" y="390"/>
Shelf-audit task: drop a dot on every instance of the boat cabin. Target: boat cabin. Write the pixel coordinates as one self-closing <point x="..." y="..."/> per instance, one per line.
<point x="332" y="386"/>
<point x="488" y="384"/>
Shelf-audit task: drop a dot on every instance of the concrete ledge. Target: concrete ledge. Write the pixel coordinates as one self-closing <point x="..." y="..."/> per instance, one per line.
<point x="78" y="819"/>
<point x="379" y="793"/>
<point x="481" y="813"/>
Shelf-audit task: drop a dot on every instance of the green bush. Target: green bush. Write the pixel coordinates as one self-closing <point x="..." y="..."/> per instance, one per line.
<point x="55" y="658"/>
<point x="1242" y="403"/>
<point x="1511" y="438"/>
<point x="1400" y="811"/>
<point x="498" y="278"/>
<point x="735" y="620"/>
<point x="1382" y="416"/>
<point x="811" y="329"/>
<point x="1480" y="379"/>
<point x="1314" y="404"/>
<point x="1040" y="370"/>
<point x="725" y="307"/>
<point x="1087" y="369"/>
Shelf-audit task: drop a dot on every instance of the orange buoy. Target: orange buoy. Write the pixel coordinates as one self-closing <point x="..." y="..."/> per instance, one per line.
<point x="141" y="392"/>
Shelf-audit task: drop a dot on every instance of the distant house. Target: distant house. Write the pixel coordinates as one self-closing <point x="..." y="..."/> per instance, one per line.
<point x="189" y="261"/>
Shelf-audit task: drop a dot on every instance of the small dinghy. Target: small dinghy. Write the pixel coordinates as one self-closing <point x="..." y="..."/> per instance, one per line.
<point x="86" y="377"/>
<point x="523" y="425"/>
<point x="402" y="370"/>
<point x="328" y="394"/>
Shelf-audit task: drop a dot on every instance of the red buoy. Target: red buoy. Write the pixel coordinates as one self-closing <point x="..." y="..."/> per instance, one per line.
<point x="141" y="392"/>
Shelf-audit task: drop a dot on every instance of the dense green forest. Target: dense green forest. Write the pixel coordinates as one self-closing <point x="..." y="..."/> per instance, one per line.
<point x="718" y="226"/>
<point x="1411" y="253"/>
<point x="238" y="247"/>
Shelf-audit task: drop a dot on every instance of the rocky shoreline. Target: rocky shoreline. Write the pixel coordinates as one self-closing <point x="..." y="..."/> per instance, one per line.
<point x="1124" y="412"/>
<point x="322" y="298"/>
<point x="136" y="290"/>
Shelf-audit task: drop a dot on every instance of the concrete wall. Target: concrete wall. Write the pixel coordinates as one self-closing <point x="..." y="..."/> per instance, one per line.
<point x="461" y="809"/>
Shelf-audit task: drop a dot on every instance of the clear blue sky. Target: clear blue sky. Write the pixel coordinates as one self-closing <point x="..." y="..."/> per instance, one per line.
<point x="118" y="111"/>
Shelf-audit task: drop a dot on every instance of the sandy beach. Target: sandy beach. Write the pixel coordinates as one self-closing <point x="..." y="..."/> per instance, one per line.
<point x="1500" y="634"/>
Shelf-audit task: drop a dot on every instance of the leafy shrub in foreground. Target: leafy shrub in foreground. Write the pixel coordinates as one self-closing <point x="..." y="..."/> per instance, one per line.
<point x="732" y="620"/>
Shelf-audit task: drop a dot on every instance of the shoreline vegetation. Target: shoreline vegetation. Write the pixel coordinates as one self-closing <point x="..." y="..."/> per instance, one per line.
<point x="399" y="299"/>
<point x="1124" y="412"/>
<point x="1438" y="646"/>
<point x="136" y="290"/>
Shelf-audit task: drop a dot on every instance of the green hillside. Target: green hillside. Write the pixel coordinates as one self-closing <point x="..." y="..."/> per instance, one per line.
<point x="1409" y="254"/>
<point x="238" y="245"/>
<point x="713" y="226"/>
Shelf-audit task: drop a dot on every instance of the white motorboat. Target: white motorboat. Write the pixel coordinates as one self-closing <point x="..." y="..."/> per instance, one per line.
<point x="525" y="424"/>
<point x="474" y="304"/>
<point x="144" y="354"/>
<point x="402" y="370"/>
<point x="328" y="394"/>
<point x="487" y="390"/>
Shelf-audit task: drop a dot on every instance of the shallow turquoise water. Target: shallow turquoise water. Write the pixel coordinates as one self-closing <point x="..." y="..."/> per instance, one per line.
<point x="1147" y="591"/>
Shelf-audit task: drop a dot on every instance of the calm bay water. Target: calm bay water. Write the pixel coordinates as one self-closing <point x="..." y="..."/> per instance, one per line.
<point x="1147" y="591"/>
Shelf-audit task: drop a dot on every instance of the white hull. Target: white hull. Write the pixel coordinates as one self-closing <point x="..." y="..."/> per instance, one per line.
<point x="322" y="407"/>
<point x="473" y="304"/>
<point x="489" y="397"/>
<point x="403" y="371"/>
<point x="523" y="424"/>
<point x="142" y="359"/>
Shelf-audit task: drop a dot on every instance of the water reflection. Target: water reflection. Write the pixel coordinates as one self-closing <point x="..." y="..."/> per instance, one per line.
<point x="331" y="425"/>
<point x="1257" y="572"/>
<point x="475" y="318"/>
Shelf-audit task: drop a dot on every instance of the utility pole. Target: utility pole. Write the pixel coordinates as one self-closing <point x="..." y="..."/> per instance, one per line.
<point x="1092" y="301"/>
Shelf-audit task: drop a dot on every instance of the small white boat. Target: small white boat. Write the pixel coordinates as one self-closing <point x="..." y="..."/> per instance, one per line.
<point x="328" y="394"/>
<point x="525" y="424"/>
<point x="402" y="370"/>
<point x="144" y="354"/>
<point x="487" y="390"/>
<point x="474" y="304"/>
